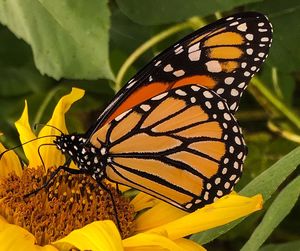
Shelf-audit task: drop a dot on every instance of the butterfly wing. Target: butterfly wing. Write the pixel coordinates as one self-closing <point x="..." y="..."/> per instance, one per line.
<point x="222" y="56"/>
<point x="182" y="146"/>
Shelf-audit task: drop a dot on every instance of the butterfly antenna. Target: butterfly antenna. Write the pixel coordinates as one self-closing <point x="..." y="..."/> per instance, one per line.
<point x="40" y="155"/>
<point x="41" y="124"/>
<point x="46" y="136"/>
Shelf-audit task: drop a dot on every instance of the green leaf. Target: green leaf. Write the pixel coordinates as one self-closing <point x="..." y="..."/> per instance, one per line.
<point x="266" y="184"/>
<point x="21" y="81"/>
<point x="68" y="38"/>
<point x="126" y="35"/>
<point x="281" y="82"/>
<point x="284" y="15"/>
<point x="165" y="11"/>
<point x="293" y="245"/>
<point x="278" y="210"/>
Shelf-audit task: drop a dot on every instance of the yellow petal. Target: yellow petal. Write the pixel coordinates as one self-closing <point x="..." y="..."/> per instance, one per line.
<point x="13" y="237"/>
<point x="150" y="241"/>
<point x="143" y="201"/>
<point x="9" y="162"/>
<point x="162" y="213"/>
<point x="99" y="235"/>
<point x="223" y="211"/>
<point x="51" y="155"/>
<point x="26" y="134"/>
<point x="189" y="245"/>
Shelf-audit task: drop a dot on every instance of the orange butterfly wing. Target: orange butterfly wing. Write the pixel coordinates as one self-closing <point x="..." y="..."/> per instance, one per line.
<point x="170" y="131"/>
<point x="182" y="146"/>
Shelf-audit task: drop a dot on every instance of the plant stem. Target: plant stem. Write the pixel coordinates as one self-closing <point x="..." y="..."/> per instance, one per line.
<point x="284" y="133"/>
<point x="44" y="105"/>
<point x="279" y="105"/>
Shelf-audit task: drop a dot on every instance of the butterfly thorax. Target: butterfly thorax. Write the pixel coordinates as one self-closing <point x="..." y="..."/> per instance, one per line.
<point x="87" y="158"/>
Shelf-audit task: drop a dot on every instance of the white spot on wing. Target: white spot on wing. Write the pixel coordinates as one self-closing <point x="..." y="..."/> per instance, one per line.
<point x="195" y="56"/>
<point x="207" y="94"/>
<point x="157" y="63"/>
<point x="122" y="115"/>
<point x="228" y="80"/>
<point x="242" y="27"/>
<point x="246" y="73"/>
<point x="145" y="107"/>
<point x="227" y="116"/>
<point x="179" y="73"/>
<point x="234" y="92"/>
<point x="229" y="18"/>
<point x="130" y="84"/>
<point x="242" y="85"/>
<point x="234" y="23"/>
<point x="178" y="50"/>
<point x="249" y="51"/>
<point x="220" y="91"/>
<point x="237" y="140"/>
<point x="180" y="92"/>
<point x="233" y="106"/>
<point x="194" y="47"/>
<point x="208" y="104"/>
<point x="160" y="96"/>
<point x="264" y="39"/>
<point x="213" y="66"/>
<point x="249" y="37"/>
<point x="168" y="68"/>
<point x="221" y="105"/>
<point x="195" y="88"/>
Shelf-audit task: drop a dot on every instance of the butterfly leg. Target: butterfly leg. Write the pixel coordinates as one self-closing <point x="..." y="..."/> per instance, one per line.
<point x="113" y="202"/>
<point x="117" y="188"/>
<point x="64" y="167"/>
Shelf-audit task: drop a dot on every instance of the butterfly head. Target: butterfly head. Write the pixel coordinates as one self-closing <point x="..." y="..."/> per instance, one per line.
<point x="83" y="154"/>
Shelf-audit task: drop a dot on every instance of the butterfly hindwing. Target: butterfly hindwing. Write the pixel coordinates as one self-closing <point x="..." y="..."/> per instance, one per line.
<point x="222" y="56"/>
<point x="183" y="146"/>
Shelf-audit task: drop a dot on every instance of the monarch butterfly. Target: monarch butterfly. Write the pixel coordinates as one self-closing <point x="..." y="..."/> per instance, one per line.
<point x="171" y="131"/>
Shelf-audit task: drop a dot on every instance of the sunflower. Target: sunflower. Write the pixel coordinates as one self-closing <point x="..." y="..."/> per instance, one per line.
<point x="73" y="212"/>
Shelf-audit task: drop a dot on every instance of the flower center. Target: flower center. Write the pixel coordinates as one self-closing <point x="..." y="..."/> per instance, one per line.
<point x="71" y="202"/>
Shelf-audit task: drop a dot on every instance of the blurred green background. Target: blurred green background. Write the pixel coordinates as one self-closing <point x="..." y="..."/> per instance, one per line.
<point x="47" y="47"/>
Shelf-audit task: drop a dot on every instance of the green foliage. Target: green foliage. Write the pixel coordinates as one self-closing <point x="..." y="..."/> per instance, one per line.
<point x="45" y="44"/>
<point x="278" y="210"/>
<point x="163" y="11"/>
<point x="63" y="35"/>
<point x="293" y="245"/>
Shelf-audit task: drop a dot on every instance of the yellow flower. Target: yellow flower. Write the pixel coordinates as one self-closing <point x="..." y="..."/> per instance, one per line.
<point x="155" y="226"/>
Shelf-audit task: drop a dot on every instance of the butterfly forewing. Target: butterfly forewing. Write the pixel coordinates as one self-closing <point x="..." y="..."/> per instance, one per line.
<point x="222" y="56"/>
<point x="183" y="146"/>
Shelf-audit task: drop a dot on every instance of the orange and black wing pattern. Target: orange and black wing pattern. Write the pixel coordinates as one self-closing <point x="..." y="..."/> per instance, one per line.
<point x="182" y="146"/>
<point x="222" y="56"/>
<point x="171" y="130"/>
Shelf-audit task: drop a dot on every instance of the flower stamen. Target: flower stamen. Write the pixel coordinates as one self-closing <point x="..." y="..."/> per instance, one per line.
<point x="72" y="202"/>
